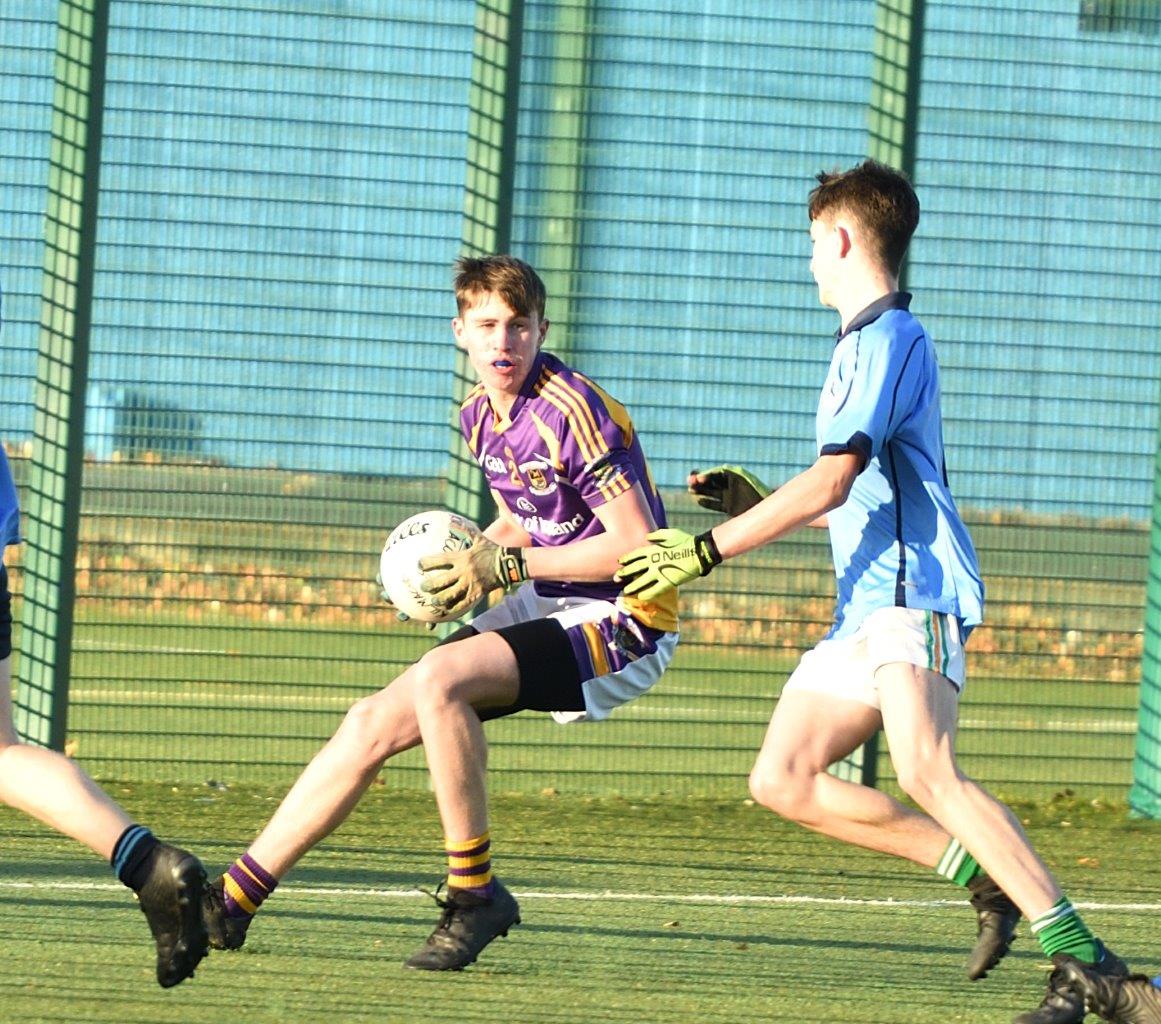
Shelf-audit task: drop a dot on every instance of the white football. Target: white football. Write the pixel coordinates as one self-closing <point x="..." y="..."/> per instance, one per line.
<point x="426" y="533"/>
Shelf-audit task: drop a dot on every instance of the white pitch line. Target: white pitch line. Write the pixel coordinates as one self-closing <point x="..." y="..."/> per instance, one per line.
<point x="161" y="696"/>
<point x="604" y="896"/>
<point x="1125" y="726"/>
<point x="102" y="645"/>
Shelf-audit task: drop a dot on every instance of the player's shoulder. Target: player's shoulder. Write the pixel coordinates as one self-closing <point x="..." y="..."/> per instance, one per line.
<point x="474" y="402"/>
<point x="567" y="389"/>
<point x="895" y="331"/>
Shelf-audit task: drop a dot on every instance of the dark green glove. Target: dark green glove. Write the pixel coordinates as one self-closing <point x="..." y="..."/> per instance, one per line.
<point x="729" y="489"/>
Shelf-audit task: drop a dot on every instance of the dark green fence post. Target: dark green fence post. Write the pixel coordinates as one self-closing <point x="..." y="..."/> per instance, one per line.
<point x="1145" y="794"/>
<point x="558" y="250"/>
<point x="52" y="504"/>
<point x="493" y="103"/>
<point x="895" y="78"/>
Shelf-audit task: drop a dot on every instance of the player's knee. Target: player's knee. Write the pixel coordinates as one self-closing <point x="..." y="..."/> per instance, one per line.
<point x="782" y="791"/>
<point x="439" y="680"/>
<point x="928" y="780"/>
<point x="433" y="685"/>
<point x="367" y="734"/>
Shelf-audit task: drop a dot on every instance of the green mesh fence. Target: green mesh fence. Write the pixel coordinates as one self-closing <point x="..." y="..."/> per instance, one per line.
<point x="271" y="370"/>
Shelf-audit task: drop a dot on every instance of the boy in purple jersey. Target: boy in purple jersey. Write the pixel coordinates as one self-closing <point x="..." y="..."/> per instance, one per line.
<point x="574" y="493"/>
<point x="908" y="595"/>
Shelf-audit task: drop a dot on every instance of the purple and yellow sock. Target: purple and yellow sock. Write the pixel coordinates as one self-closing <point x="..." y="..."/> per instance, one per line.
<point x="469" y="866"/>
<point x="245" y="885"/>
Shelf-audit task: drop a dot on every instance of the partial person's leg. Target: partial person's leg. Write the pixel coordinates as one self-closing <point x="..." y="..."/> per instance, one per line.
<point x="826" y="711"/>
<point x="920" y="708"/>
<point x="168" y="881"/>
<point x="808" y="732"/>
<point x="374" y="730"/>
<point x="454" y="682"/>
<point x="52" y="788"/>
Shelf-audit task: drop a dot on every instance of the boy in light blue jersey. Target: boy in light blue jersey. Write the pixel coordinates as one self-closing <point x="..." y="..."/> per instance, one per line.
<point x="908" y="595"/>
<point x="898" y="540"/>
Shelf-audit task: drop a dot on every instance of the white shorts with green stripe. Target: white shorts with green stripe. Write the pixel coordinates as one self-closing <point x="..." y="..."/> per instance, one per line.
<point x="846" y="667"/>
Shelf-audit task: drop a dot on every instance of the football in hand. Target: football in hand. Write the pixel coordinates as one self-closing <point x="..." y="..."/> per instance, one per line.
<point x="426" y="533"/>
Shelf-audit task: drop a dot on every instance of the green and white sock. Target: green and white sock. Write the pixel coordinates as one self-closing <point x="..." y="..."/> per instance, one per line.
<point x="958" y="865"/>
<point x="1061" y="930"/>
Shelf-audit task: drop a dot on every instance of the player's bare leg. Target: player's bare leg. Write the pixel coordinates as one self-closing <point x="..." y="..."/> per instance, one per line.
<point x="52" y="788"/>
<point x="168" y="881"/>
<point x="919" y="714"/>
<point x="374" y="729"/>
<point x="441" y="687"/>
<point x="455" y="680"/>
<point x="920" y="709"/>
<point x="809" y="732"/>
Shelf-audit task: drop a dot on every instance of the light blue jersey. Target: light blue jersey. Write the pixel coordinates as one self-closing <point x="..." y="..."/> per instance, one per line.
<point x="898" y="540"/>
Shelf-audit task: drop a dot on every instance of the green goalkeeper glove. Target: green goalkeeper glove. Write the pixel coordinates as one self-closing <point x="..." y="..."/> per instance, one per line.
<point x="672" y="557"/>
<point x="457" y="580"/>
<point x="729" y="489"/>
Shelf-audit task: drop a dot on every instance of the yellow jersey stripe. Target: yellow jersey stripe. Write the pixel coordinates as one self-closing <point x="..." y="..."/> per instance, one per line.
<point x="580" y="417"/>
<point x="597" y="650"/>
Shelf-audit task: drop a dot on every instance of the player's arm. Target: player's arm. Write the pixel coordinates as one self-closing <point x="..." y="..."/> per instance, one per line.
<point x="799" y="502"/>
<point x="627" y="520"/>
<point x="732" y="490"/>
<point x="504" y="530"/>
<point x="458" y="580"/>
<point x="674" y="557"/>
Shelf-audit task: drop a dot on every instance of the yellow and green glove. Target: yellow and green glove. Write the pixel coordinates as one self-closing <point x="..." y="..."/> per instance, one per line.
<point x="729" y="489"/>
<point x="671" y="558"/>
<point x="457" y="580"/>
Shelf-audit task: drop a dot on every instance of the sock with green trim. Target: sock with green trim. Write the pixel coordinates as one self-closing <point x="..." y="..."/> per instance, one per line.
<point x="1061" y="930"/>
<point x="957" y="865"/>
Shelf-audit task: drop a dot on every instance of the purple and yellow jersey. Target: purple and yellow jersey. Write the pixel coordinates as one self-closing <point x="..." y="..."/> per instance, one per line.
<point x="566" y="448"/>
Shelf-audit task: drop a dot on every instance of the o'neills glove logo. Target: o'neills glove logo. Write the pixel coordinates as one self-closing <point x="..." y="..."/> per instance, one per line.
<point x="657" y="555"/>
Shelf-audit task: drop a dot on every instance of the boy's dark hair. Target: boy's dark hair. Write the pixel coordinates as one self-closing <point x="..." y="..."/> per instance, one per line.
<point x="879" y="199"/>
<point x="510" y="278"/>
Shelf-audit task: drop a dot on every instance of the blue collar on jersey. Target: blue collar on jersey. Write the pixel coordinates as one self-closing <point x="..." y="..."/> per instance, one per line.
<point x="892" y="300"/>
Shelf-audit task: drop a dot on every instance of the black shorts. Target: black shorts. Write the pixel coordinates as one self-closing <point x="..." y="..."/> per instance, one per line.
<point x="549" y="678"/>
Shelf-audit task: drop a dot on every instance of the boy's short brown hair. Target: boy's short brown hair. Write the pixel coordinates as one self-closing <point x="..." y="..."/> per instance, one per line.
<point x="512" y="279"/>
<point x="879" y="199"/>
